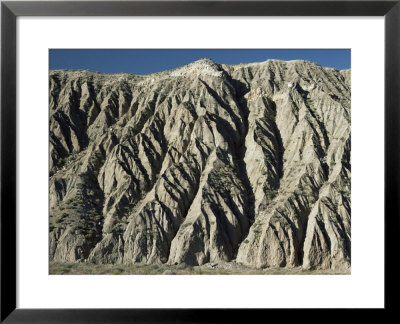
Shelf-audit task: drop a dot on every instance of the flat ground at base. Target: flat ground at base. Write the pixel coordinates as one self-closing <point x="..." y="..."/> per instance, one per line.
<point x="207" y="269"/>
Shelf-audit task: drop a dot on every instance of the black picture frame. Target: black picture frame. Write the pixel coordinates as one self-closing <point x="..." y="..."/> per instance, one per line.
<point x="10" y="10"/>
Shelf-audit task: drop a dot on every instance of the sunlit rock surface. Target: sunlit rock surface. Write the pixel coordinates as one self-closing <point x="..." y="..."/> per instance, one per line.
<point x="206" y="163"/>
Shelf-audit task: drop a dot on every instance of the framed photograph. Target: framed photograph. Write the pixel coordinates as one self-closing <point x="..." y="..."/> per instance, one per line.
<point x="185" y="161"/>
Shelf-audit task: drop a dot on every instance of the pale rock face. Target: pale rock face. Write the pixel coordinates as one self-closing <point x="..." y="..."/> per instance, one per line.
<point x="204" y="163"/>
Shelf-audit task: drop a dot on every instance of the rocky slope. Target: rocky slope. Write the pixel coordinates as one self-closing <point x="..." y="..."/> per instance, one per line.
<point x="206" y="163"/>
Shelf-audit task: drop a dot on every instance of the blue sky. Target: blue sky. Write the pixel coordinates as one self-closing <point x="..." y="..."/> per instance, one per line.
<point x="144" y="61"/>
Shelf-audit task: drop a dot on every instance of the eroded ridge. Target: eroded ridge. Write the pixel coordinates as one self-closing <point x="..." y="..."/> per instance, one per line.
<point x="206" y="163"/>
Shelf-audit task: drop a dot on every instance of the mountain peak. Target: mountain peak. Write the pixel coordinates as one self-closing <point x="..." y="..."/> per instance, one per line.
<point x="205" y="60"/>
<point x="204" y="66"/>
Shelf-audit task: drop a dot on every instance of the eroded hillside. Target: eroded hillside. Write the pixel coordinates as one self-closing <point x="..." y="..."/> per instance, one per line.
<point x="205" y="163"/>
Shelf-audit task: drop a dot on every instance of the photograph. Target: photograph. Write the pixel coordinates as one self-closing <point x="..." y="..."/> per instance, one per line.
<point x="199" y="161"/>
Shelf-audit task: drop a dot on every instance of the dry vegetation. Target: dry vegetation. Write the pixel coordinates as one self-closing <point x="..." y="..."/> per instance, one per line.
<point x="152" y="269"/>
